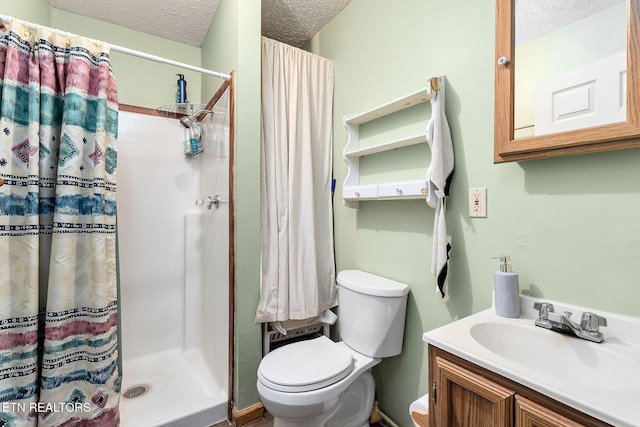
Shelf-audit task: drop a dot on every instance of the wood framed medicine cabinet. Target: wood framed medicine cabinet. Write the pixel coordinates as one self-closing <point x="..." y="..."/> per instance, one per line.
<point x="623" y="134"/>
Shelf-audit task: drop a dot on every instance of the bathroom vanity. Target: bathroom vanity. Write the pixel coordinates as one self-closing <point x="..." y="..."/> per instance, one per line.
<point x="494" y="371"/>
<point x="468" y="395"/>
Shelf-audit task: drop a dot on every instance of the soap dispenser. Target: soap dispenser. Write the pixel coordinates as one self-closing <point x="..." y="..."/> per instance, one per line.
<point x="507" y="291"/>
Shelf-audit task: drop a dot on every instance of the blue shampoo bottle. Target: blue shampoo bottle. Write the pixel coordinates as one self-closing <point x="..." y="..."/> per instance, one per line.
<point x="181" y="94"/>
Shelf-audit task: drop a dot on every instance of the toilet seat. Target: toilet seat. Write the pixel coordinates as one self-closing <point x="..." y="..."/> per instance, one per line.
<point x="305" y="365"/>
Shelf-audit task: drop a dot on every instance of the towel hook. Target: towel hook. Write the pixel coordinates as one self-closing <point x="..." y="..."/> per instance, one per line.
<point x="435" y="84"/>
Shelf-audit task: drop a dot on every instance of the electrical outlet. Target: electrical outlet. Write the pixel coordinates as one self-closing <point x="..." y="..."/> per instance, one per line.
<point x="478" y="202"/>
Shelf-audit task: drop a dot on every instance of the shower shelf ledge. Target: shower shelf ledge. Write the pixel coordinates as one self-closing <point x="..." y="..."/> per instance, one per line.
<point x="182" y="108"/>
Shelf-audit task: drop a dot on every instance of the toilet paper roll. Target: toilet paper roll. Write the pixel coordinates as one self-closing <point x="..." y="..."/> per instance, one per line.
<point x="419" y="411"/>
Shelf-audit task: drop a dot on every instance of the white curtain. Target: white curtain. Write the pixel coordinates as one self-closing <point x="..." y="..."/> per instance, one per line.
<point x="298" y="268"/>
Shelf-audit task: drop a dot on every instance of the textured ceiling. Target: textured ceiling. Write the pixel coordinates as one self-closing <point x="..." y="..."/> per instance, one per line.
<point x="292" y="21"/>
<point x="537" y="17"/>
<point x="184" y="21"/>
<point x="187" y="21"/>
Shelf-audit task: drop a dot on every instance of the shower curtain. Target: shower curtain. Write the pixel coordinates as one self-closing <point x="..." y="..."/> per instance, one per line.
<point x="58" y="291"/>
<point x="298" y="267"/>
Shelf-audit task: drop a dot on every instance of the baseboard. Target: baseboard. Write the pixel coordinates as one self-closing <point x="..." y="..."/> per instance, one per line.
<point x="387" y="420"/>
<point x="247" y="415"/>
<point x="255" y="412"/>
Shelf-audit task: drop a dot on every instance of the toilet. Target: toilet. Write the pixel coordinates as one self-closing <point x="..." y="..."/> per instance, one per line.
<point x="319" y="382"/>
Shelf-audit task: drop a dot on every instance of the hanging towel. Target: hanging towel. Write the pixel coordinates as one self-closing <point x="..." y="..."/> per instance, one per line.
<point x="439" y="180"/>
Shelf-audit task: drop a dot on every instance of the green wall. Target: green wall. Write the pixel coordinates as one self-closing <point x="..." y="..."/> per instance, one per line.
<point x="220" y="47"/>
<point x="247" y="191"/>
<point x="570" y="224"/>
<point x="140" y="82"/>
<point x="233" y="42"/>
<point x="32" y="10"/>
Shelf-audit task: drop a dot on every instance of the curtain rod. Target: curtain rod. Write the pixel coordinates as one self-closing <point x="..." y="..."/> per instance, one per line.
<point x="132" y="52"/>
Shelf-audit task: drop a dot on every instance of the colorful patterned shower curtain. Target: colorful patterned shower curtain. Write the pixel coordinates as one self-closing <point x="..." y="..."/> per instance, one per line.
<point x="58" y="288"/>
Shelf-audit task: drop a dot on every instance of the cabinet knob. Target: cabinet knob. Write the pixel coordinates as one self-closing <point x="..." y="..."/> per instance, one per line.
<point x="503" y="60"/>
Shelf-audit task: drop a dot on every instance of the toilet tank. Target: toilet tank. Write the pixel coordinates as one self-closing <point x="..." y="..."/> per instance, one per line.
<point x="371" y="313"/>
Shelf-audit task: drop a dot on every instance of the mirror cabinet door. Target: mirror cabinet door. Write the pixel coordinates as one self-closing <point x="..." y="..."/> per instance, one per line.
<point x="569" y="84"/>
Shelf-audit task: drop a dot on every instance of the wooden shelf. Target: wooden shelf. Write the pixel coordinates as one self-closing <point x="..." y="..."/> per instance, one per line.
<point x="352" y="191"/>
<point x="416" y="189"/>
<point x="391" y="107"/>
<point x="391" y="145"/>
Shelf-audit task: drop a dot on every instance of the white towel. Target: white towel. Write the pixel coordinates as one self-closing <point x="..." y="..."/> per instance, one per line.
<point x="439" y="180"/>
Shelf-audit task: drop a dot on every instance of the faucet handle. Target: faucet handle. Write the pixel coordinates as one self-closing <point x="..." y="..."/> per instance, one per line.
<point x="544" y="308"/>
<point x="591" y="322"/>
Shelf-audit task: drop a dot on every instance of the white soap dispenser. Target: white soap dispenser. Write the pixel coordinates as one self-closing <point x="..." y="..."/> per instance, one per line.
<point x="507" y="293"/>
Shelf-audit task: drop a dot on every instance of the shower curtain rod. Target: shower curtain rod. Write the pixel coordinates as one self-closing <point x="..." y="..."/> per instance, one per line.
<point x="132" y="52"/>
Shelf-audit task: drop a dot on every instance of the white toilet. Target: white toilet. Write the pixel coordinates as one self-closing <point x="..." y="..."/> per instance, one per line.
<point x="318" y="382"/>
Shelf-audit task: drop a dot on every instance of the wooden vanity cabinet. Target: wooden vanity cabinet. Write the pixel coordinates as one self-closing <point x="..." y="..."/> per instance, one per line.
<point x="530" y="414"/>
<point x="464" y="398"/>
<point x="464" y="394"/>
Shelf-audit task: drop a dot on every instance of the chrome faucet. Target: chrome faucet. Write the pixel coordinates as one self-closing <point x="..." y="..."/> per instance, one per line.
<point x="588" y="329"/>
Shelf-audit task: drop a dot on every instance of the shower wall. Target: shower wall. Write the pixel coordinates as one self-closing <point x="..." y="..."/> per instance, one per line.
<point x="166" y="307"/>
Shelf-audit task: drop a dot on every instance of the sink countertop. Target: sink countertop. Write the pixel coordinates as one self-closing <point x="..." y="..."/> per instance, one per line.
<point x="609" y="403"/>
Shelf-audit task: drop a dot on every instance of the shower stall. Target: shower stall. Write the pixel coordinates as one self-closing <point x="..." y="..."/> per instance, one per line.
<point x="174" y="270"/>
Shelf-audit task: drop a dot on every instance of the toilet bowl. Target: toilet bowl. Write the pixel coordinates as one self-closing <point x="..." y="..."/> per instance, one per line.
<point x="320" y="377"/>
<point x="322" y="383"/>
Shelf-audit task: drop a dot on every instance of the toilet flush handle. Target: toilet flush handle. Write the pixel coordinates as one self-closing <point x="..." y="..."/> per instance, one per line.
<point x="328" y="317"/>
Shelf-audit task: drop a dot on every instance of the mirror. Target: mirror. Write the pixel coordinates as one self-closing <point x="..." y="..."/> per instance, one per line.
<point x="570" y="62"/>
<point x="551" y="83"/>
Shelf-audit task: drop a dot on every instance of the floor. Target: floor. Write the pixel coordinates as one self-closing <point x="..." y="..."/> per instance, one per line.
<point x="267" y="421"/>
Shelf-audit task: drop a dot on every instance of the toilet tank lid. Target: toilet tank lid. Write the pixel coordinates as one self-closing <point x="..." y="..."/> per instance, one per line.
<point x="370" y="284"/>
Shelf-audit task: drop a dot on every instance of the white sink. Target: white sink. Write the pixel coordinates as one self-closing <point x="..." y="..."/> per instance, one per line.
<point x="599" y="379"/>
<point x="555" y="354"/>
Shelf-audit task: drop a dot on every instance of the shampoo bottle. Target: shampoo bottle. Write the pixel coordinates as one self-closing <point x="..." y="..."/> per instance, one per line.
<point x="181" y="93"/>
<point x="507" y="292"/>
